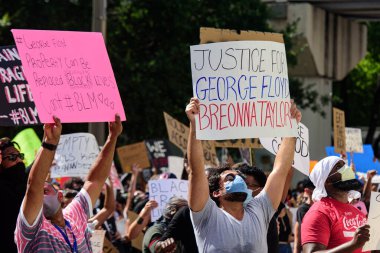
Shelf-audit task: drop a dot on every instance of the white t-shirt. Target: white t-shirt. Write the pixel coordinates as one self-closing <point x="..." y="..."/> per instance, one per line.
<point x="216" y="231"/>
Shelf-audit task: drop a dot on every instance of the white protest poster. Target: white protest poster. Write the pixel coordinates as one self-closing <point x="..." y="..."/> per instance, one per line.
<point x="243" y="89"/>
<point x="162" y="190"/>
<point x="97" y="241"/>
<point x="74" y="156"/>
<point x="301" y="155"/>
<point x="176" y="165"/>
<point x="354" y="141"/>
<point x="374" y="223"/>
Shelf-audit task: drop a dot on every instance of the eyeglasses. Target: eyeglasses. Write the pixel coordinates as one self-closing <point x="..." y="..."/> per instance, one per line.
<point x="13" y="157"/>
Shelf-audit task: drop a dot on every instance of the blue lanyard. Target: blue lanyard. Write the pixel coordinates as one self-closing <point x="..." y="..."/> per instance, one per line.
<point x="74" y="248"/>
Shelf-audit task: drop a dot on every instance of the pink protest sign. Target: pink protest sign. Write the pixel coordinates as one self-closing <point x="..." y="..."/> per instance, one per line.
<point x="70" y="75"/>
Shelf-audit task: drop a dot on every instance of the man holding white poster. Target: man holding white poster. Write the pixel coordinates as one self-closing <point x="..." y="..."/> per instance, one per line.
<point x="243" y="90"/>
<point x="240" y="223"/>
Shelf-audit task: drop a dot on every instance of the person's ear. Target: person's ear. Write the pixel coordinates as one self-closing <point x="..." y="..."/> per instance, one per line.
<point x="60" y="197"/>
<point x="216" y="194"/>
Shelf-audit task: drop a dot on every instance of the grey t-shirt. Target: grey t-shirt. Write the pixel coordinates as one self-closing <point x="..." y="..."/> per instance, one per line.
<point x="216" y="231"/>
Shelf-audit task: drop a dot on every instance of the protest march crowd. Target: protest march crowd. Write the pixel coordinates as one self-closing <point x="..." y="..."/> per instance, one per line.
<point x="204" y="207"/>
<point x="231" y="208"/>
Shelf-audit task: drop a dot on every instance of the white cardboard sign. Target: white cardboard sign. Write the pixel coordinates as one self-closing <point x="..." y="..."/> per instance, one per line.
<point x="301" y="156"/>
<point x="97" y="241"/>
<point x="354" y="141"/>
<point x="75" y="154"/>
<point x="176" y="165"/>
<point x="374" y="223"/>
<point x="163" y="190"/>
<point x="243" y="89"/>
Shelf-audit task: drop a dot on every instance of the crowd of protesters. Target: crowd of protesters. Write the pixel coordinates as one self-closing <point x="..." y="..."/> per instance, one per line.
<point x="232" y="208"/>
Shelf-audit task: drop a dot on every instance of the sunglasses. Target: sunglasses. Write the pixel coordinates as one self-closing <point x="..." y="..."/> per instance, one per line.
<point x="13" y="157"/>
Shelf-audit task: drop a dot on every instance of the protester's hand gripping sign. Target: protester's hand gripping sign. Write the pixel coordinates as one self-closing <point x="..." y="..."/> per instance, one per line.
<point x="178" y="134"/>
<point x="243" y="89"/>
<point x="374" y="223"/>
<point x="301" y="155"/>
<point x="70" y="75"/>
<point x="75" y="155"/>
<point x="162" y="190"/>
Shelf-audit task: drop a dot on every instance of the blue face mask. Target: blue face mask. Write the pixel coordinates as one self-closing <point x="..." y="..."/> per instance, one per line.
<point x="249" y="197"/>
<point x="238" y="185"/>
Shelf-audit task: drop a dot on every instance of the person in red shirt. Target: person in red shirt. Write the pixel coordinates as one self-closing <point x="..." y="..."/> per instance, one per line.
<point x="332" y="224"/>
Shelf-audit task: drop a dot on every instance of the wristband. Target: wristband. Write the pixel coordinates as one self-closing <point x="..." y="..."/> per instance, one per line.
<point x="49" y="146"/>
<point x="140" y="220"/>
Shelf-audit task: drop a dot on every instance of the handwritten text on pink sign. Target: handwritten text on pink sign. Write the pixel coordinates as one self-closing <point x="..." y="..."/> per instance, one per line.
<point x="70" y="75"/>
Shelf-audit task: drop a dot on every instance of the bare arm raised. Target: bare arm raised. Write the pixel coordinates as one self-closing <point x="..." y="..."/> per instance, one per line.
<point x="198" y="183"/>
<point x="34" y="196"/>
<point x="282" y="164"/>
<point x="108" y="208"/>
<point x="102" y="166"/>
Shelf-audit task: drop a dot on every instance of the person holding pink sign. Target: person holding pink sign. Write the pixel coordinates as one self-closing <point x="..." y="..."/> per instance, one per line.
<point x="43" y="225"/>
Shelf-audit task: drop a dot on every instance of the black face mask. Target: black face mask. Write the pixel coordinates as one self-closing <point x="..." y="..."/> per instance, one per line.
<point x="348" y="185"/>
<point x="15" y="174"/>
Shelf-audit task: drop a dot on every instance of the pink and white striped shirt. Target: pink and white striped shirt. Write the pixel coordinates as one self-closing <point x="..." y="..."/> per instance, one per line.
<point x="43" y="237"/>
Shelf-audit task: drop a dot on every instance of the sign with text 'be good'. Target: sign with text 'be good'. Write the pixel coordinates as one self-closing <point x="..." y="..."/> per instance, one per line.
<point x="301" y="154"/>
<point x="243" y="89"/>
<point x="17" y="103"/>
<point x="162" y="190"/>
<point x="70" y="75"/>
<point x="75" y="155"/>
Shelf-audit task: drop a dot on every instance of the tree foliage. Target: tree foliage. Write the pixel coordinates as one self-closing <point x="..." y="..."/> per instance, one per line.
<point x="359" y="93"/>
<point x="148" y="43"/>
<point x="355" y="93"/>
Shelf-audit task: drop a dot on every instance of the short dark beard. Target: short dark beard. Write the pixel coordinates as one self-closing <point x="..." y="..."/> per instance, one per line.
<point x="235" y="196"/>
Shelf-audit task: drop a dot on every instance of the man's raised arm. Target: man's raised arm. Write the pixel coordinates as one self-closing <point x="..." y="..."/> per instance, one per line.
<point x="102" y="166"/>
<point x="34" y="196"/>
<point x="198" y="183"/>
<point x="282" y="164"/>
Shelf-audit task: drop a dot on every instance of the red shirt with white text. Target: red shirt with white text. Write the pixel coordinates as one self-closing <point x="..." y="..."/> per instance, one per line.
<point x="331" y="223"/>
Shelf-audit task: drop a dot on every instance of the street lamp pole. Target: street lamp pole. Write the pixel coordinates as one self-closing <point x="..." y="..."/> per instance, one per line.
<point x="99" y="24"/>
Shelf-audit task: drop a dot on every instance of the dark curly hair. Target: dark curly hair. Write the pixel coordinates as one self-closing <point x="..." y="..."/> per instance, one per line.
<point x="253" y="171"/>
<point x="5" y="143"/>
<point x="214" y="178"/>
